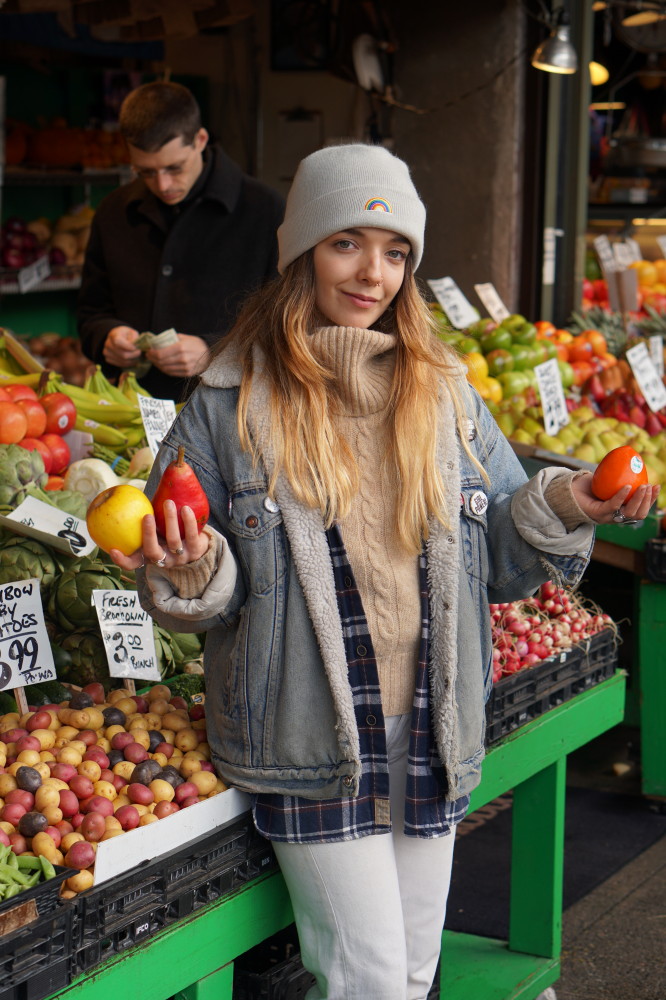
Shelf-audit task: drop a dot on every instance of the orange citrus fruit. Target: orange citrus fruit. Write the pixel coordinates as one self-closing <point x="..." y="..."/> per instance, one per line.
<point x="620" y="467"/>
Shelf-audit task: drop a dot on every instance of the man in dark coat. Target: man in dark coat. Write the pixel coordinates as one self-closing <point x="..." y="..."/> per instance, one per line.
<point x="179" y="247"/>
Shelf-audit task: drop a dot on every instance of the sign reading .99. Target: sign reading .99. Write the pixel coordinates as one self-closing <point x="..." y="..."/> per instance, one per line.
<point x="23" y="656"/>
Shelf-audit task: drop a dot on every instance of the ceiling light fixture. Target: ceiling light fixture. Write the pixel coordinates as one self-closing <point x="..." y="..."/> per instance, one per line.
<point x="556" y="54"/>
<point x="598" y="74"/>
<point x="643" y="12"/>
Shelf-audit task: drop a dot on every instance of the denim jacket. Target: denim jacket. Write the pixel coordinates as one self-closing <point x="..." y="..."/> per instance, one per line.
<point x="278" y="704"/>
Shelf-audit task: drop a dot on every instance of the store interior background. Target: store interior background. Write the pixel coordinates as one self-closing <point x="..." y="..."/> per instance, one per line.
<point x="276" y="79"/>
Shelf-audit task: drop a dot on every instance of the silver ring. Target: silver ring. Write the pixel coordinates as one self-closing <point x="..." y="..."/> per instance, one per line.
<point x="161" y="562"/>
<point x="621" y="518"/>
<point x="178" y="552"/>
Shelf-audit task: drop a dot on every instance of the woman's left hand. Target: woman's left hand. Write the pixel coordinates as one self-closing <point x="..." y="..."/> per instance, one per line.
<point x="606" y="511"/>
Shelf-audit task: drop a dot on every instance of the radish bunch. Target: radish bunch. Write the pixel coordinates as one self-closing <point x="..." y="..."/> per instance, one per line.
<point x="526" y="632"/>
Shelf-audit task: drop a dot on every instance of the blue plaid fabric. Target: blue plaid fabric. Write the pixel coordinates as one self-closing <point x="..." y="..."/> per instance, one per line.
<point x="427" y="812"/>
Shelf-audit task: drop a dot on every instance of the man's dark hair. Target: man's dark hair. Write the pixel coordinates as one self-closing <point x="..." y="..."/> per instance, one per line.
<point x="156" y="113"/>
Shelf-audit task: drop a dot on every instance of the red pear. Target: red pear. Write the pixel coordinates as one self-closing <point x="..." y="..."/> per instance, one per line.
<point x="180" y="484"/>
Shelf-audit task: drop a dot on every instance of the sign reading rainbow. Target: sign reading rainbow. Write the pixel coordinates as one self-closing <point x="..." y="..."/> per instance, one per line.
<point x="378" y="205"/>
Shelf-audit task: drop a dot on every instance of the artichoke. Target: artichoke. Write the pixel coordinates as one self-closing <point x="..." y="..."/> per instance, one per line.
<point x="25" y="559"/>
<point x="19" y="469"/>
<point x="70" y="501"/>
<point x="71" y="595"/>
<point x="85" y="649"/>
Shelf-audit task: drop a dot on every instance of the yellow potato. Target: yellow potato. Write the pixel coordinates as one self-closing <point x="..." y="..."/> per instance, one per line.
<point x="80" y="882"/>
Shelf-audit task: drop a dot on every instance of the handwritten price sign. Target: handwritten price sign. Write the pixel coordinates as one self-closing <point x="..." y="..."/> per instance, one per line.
<point x="645" y="373"/>
<point x="127" y="631"/>
<point x="459" y="311"/>
<point x="25" y="652"/>
<point x="549" y="381"/>
<point x="157" y="416"/>
<point x="42" y="521"/>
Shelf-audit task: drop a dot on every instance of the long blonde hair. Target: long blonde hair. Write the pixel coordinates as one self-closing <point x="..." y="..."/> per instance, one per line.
<point x="305" y="443"/>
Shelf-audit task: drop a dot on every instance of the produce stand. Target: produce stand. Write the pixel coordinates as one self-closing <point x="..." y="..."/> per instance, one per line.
<point x="624" y="547"/>
<point x="531" y="761"/>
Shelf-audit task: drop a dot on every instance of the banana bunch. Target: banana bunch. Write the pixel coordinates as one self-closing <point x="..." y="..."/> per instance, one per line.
<point x="130" y="388"/>
<point x="103" y="411"/>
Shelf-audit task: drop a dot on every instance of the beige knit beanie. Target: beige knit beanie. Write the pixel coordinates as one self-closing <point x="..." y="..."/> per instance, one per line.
<point x="345" y="187"/>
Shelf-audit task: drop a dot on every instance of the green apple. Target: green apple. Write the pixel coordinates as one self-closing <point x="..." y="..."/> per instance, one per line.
<point x="526" y="334"/>
<point x="513" y="383"/>
<point x="499" y="360"/>
<point x="566" y="374"/>
<point x="495" y="339"/>
<point x="468" y="345"/>
<point x="522" y="357"/>
<point x="513" y="322"/>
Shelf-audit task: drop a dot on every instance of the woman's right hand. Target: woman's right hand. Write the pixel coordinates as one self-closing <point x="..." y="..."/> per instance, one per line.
<point x="172" y="551"/>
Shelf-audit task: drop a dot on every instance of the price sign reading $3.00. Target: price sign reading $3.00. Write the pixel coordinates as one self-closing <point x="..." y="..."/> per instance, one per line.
<point x="25" y="651"/>
<point x="127" y="631"/>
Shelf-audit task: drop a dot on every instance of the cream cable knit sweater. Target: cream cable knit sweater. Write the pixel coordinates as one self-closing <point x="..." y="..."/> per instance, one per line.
<point x="387" y="576"/>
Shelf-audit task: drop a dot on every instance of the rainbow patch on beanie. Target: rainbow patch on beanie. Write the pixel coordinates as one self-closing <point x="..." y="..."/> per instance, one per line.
<point x="378" y="205"/>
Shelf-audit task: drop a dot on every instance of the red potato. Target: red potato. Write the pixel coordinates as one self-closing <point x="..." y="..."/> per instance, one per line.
<point x="88" y="736"/>
<point x="107" y="774"/>
<point x="80" y="855"/>
<point x="12" y="812"/>
<point x="207" y="766"/>
<point x="77" y="820"/>
<point x="128" y="817"/>
<point x="55" y="835"/>
<point x="97" y="754"/>
<point x="136" y="792"/>
<point x="69" y="803"/>
<point x="197" y="712"/>
<point x="165" y="808"/>
<point x="135" y="753"/>
<point x="120" y="740"/>
<point x="64" y="827"/>
<point x="191" y="800"/>
<point x="165" y="748"/>
<point x="40" y="720"/>
<point x="12" y="735"/>
<point x="18" y="843"/>
<point x="142" y="705"/>
<point x="98" y="803"/>
<point x="178" y="703"/>
<point x="20" y="795"/>
<point x="4" y="839"/>
<point x="63" y="771"/>
<point x="81" y="786"/>
<point x="96" y="692"/>
<point x="28" y="743"/>
<point x="118" y="781"/>
<point x="93" y="827"/>
<point x="184" y="791"/>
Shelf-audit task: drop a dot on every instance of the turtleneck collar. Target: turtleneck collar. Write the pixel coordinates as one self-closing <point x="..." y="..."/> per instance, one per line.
<point x="362" y="362"/>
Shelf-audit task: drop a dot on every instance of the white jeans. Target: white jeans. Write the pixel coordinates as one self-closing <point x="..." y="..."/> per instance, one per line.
<point x="370" y="912"/>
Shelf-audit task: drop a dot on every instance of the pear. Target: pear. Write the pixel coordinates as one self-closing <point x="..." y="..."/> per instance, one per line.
<point x="180" y="484"/>
<point x="581" y="414"/>
<point x="506" y="424"/>
<point x="568" y="436"/>
<point x="586" y="453"/>
<point x="611" y="440"/>
<point x="522" y="436"/>
<point x="656" y="470"/>
<point x="532" y="426"/>
<point x="550" y="443"/>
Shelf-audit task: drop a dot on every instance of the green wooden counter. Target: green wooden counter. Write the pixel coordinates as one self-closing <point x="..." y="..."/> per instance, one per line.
<point x="193" y="959"/>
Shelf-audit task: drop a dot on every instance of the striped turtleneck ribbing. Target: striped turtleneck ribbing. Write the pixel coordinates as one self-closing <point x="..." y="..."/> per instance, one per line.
<point x="387" y="577"/>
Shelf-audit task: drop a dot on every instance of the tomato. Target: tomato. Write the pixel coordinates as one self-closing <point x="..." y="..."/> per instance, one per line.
<point x="620" y="467"/>
<point x="60" y="412"/>
<point x="4" y="396"/>
<point x="580" y="349"/>
<point x="582" y="371"/>
<point x="13" y="423"/>
<point x="54" y="483"/>
<point x="59" y="451"/>
<point x="544" y="328"/>
<point x="17" y="391"/>
<point x="33" y="444"/>
<point x="36" y="415"/>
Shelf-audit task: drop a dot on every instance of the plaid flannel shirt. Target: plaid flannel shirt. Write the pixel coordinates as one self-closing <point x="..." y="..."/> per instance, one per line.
<point x="427" y="812"/>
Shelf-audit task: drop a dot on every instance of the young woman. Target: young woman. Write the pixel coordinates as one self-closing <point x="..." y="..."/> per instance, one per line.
<point x="364" y="509"/>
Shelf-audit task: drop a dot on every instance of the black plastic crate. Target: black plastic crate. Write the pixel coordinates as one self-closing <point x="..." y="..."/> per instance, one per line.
<point x="272" y="970"/>
<point x="128" y="909"/>
<point x="655" y="559"/>
<point x="527" y="694"/>
<point x="45" y="894"/>
<point x="35" y="960"/>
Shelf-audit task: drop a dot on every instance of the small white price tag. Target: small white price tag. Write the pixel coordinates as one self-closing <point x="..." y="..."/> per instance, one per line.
<point x="645" y="373"/>
<point x="656" y="347"/>
<point x="491" y="300"/>
<point x="459" y="311"/>
<point x="158" y="416"/>
<point x="661" y="240"/>
<point x="33" y="274"/>
<point x="25" y="651"/>
<point x="604" y="250"/>
<point x="56" y="527"/>
<point x="623" y="255"/>
<point x="634" y="248"/>
<point x="127" y="631"/>
<point x="549" y="382"/>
